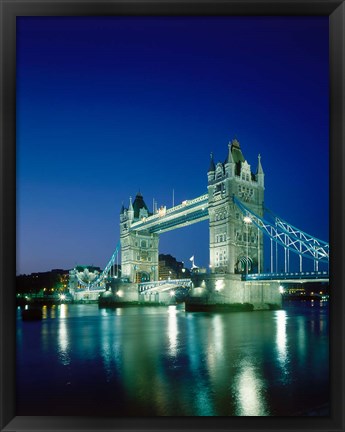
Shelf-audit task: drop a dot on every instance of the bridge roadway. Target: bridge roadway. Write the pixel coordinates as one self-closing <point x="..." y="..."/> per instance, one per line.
<point x="164" y="285"/>
<point x="300" y="277"/>
<point x="187" y="213"/>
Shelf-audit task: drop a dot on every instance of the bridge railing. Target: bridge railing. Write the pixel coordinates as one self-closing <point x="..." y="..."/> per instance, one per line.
<point x="292" y="275"/>
<point x="188" y="203"/>
<point x="145" y="286"/>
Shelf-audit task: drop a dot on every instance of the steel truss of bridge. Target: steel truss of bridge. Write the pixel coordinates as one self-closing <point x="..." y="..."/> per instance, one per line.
<point x="288" y="236"/>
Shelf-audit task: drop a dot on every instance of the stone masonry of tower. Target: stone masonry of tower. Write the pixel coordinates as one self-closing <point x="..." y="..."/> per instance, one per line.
<point x="236" y="245"/>
<point x="139" y="250"/>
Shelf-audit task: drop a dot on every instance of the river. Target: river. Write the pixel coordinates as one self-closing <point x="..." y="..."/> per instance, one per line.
<point x="163" y="361"/>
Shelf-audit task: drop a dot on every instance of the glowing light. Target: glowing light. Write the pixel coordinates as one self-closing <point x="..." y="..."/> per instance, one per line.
<point x="62" y="297"/>
<point x="281" y="340"/>
<point x="162" y="211"/>
<point x="249" y="395"/>
<point x="63" y="344"/>
<point x="281" y="289"/>
<point x="219" y="285"/>
<point x="63" y="311"/>
<point x="120" y="293"/>
<point x="172" y="330"/>
<point x="247" y="219"/>
<point x="172" y="293"/>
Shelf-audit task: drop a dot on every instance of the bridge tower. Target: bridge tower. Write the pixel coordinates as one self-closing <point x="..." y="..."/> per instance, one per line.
<point x="236" y="245"/>
<point x="139" y="250"/>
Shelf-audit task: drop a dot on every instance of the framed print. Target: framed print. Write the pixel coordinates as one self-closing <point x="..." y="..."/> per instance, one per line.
<point x="172" y="184"/>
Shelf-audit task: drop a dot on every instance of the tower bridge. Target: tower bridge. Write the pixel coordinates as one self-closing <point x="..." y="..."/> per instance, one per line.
<point x="238" y="224"/>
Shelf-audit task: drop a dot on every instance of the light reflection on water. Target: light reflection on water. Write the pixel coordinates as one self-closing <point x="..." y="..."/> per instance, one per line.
<point x="248" y="390"/>
<point x="281" y="337"/>
<point x="63" y="343"/>
<point x="172" y="330"/>
<point x="110" y="349"/>
<point x="282" y="346"/>
<point x="164" y="361"/>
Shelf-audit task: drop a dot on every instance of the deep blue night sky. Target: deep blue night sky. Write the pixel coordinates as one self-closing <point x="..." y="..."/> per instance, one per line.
<point x="109" y="106"/>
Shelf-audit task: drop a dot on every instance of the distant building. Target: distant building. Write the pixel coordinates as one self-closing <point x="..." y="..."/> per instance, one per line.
<point x="169" y="267"/>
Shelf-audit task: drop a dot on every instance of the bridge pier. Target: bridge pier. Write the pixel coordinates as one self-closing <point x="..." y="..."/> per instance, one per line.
<point x="163" y="298"/>
<point x="118" y="293"/>
<point x="122" y="293"/>
<point x="229" y="292"/>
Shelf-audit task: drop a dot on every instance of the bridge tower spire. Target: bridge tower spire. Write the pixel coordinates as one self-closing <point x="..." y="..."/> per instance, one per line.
<point x="130" y="211"/>
<point x="260" y="176"/>
<point x="236" y="246"/>
<point x="210" y="173"/>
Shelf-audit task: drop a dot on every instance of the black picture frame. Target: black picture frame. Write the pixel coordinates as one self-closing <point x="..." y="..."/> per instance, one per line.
<point x="10" y="9"/>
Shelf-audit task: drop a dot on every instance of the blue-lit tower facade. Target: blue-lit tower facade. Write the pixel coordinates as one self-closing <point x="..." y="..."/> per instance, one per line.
<point x="236" y="245"/>
<point x="139" y="249"/>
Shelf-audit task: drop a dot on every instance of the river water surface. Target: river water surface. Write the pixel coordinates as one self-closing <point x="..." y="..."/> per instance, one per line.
<point x="163" y="361"/>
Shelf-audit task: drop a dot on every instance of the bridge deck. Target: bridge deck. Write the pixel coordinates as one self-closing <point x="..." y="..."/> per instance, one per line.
<point x="289" y="277"/>
<point x="165" y="285"/>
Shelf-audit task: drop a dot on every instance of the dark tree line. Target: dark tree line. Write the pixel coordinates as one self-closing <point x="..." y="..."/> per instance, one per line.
<point x="46" y="282"/>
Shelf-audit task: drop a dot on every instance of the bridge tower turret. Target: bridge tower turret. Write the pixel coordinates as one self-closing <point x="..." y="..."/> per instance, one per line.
<point x="139" y="250"/>
<point x="211" y="170"/>
<point x="229" y="163"/>
<point x="130" y="210"/>
<point x="236" y="245"/>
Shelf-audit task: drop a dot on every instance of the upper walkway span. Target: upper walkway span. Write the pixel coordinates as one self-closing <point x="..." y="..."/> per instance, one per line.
<point x="187" y="213"/>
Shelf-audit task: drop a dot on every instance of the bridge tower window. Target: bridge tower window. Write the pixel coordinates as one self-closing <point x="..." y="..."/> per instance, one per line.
<point x="142" y="276"/>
